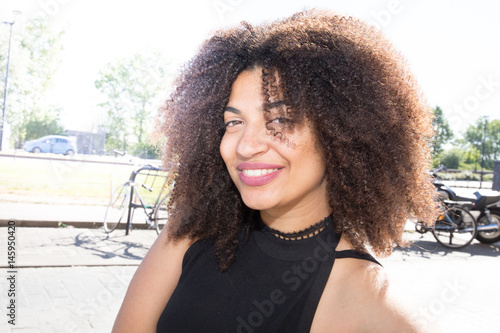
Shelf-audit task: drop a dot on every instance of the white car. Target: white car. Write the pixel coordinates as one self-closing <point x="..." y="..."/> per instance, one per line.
<point x="56" y="144"/>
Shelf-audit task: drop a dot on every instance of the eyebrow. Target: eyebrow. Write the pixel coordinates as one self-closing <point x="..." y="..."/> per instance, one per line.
<point x="231" y="109"/>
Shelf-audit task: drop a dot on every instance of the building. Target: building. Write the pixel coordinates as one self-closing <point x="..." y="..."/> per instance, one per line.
<point x="89" y="143"/>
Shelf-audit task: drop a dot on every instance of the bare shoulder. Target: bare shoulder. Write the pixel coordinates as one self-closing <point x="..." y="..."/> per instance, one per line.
<point x="385" y="307"/>
<point x="375" y="299"/>
<point x="152" y="285"/>
<point x="169" y="246"/>
<point x="359" y="297"/>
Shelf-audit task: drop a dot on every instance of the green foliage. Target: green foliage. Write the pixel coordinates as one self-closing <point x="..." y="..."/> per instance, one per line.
<point x="36" y="128"/>
<point x="133" y="89"/>
<point x="435" y="161"/>
<point x="451" y="158"/>
<point x="468" y="166"/>
<point x="464" y="175"/>
<point x="483" y="136"/>
<point x="147" y="150"/>
<point x="472" y="156"/>
<point x="37" y="58"/>
<point x="113" y="142"/>
<point x="442" y="132"/>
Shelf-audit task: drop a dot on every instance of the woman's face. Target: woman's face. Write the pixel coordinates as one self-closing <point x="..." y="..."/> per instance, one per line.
<point x="272" y="175"/>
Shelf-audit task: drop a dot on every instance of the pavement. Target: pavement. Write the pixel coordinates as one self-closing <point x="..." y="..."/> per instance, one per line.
<point x="70" y="276"/>
<point x="28" y="214"/>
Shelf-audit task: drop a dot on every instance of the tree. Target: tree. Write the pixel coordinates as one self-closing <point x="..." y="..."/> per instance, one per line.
<point x="451" y="158"/>
<point x="442" y="132"/>
<point x="133" y="88"/>
<point x="36" y="128"/>
<point x="487" y="133"/>
<point x="37" y="59"/>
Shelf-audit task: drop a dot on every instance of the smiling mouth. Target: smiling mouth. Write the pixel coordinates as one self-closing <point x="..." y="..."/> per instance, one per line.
<point x="258" y="177"/>
<point x="257" y="172"/>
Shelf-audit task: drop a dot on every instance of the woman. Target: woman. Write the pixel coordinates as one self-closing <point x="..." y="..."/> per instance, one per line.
<point x="297" y="146"/>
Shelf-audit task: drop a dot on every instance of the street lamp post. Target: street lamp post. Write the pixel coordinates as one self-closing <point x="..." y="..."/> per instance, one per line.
<point x="482" y="151"/>
<point x="6" y="79"/>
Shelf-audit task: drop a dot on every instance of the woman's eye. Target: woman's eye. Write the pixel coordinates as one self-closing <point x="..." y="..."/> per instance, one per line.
<point x="233" y="123"/>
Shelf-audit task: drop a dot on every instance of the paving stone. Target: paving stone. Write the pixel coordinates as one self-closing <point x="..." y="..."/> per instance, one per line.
<point x="76" y="279"/>
<point x="55" y="289"/>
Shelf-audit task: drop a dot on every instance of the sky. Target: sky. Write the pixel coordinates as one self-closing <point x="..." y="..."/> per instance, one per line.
<point x="452" y="46"/>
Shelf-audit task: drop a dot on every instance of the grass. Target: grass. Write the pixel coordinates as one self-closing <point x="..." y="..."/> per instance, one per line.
<point x="53" y="181"/>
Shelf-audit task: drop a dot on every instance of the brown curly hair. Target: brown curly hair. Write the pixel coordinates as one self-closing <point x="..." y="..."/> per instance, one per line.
<point x="371" y="123"/>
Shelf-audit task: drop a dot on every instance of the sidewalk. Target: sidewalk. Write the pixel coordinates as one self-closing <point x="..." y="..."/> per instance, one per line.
<point x="54" y="215"/>
<point x="69" y="279"/>
<point x="73" y="279"/>
<point x="70" y="275"/>
<point x="69" y="246"/>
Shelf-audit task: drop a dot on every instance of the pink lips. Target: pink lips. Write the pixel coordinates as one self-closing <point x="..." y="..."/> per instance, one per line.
<point x="258" y="180"/>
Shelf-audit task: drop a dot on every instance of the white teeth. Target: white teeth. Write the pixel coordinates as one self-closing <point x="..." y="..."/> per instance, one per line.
<point x="257" y="172"/>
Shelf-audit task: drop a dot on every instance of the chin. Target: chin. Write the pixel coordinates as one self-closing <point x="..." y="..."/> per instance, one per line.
<point x="260" y="203"/>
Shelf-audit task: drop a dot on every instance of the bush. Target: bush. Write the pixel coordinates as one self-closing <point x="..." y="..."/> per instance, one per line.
<point x="464" y="175"/>
<point x="147" y="150"/>
<point x="36" y="128"/>
<point x="452" y="158"/>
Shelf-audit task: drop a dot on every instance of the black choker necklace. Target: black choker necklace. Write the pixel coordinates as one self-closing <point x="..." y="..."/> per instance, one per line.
<point x="298" y="235"/>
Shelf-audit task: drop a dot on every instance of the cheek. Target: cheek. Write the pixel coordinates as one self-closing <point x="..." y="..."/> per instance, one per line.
<point x="317" y="159"/>
<point x="312" y="160"/>
<point x="225" y="149"/>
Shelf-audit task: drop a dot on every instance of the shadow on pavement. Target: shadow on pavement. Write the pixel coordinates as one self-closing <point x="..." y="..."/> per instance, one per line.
<point x="99" y="248"/>
<point x="426" y="248"/>
<point x="107" y="247"/>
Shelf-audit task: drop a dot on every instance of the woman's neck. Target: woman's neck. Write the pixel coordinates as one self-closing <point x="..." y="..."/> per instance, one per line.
<point x="296" y="219"/>
<point x="308" y="232"/>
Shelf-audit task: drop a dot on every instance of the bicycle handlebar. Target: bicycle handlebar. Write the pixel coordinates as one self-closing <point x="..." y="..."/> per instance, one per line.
<point x="145" y="167"/>
<point x="151" y="168"/>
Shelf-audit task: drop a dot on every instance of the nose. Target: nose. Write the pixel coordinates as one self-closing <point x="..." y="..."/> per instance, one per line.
<point x="253" y="142"/>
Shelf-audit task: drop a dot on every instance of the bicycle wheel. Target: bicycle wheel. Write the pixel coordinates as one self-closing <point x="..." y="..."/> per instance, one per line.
<point x="489" y="237"/>
<point x="117" y="208"/>
<point x="160" y="216"/>
<point x="455" y="228"/>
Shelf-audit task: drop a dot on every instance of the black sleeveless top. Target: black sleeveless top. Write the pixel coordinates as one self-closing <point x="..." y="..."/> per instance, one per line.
<point x="274" y="285"/>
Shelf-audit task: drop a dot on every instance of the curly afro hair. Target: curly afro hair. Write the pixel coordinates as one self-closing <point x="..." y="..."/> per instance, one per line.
<point x="371" y="123"/>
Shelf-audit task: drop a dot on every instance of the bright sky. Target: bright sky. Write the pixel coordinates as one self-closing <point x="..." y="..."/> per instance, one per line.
<point x="451" y="45"/>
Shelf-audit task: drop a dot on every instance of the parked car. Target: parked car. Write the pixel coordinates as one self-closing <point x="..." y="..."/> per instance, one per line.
<point x="56" y="144"/>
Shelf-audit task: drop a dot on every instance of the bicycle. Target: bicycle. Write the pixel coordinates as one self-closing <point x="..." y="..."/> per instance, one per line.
<point x="455" y="227"/>
<point x="160" y="214"/>
<point x="126" y="198"/>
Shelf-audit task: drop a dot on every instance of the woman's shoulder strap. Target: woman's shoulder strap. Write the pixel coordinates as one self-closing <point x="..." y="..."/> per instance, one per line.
<point x="356" y="255"/>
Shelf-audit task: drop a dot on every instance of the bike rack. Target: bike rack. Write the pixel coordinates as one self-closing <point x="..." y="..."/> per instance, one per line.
<point x="151" y="172"/>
